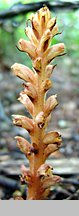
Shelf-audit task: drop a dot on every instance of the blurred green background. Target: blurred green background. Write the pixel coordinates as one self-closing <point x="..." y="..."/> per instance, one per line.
<point x="11" y="30"/>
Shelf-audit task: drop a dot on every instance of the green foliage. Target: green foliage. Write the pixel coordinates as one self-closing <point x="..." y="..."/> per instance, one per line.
<point x="70" y="34"/>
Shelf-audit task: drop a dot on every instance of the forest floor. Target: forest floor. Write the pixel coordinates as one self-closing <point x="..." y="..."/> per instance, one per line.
<point x="65" y="120"/>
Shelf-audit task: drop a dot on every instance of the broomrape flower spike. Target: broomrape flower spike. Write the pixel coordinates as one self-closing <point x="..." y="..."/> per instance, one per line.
<point x="39" y="177"/>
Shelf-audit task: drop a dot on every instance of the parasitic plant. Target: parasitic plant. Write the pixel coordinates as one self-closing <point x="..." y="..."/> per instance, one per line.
<point x="39" y="177"/>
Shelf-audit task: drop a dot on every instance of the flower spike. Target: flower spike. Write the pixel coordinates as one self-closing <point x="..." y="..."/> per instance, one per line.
<point x="39" y="176"/>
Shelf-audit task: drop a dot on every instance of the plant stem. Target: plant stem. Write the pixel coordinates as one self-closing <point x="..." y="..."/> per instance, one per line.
<point x="37" y="137"/>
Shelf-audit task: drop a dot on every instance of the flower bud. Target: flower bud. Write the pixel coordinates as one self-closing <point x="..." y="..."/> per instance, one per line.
<point x="47" y="178"/>
<point x="37" y="65"/>
<point x="26" y="174"/>
<point x="30" y="34"/>
<point x="44" y="12"/>
<point x="49" y="150"/>
<point x="27" y="47"/>
<point x="36" y="26"/>
<point x="44" y="170"/>
<point x="57" y="48"/>
<point x="51" y="23"/>
<point x="30" y="90"/>
<point x="24" y="146"/>
<point x="50" y="104"/>
<point x="44" y="43"/>
<point x="23" y="121"/>
<point x="23" y="72"/>
<point x="52" y="137"/>
<point x="49" y="69"/>
<point x="54" y="51"/>
<point x="55" y="30"/>
<point x="40" y="120"/>
<point x="25" y="100"/>
<point x="46" y="85"/>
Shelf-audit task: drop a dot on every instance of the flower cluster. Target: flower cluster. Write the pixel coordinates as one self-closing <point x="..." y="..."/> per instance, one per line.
<point x="39" y="177"/>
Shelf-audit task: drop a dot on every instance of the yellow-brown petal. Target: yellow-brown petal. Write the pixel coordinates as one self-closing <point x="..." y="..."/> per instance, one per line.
<point x="52" y="137"/>
<point x="30" y="90"/>
<point x="29" y="32"/>
<point x="44" y="170"/>
<point x="44" y="42"/>
<point x="49" y="70"/>
<point x="46" y="13"/>
<point x="50" y="104"/>
<point x="24" y="146"/>
<point x="26" y="174"/>
<point x="49" y="150"/>
<point x="54" y="51"/>
<point x="36" y="26"/>
<point x="23" y="72"/>
<point x="27" y="47"/>
<point x="40" y="120"/>
<point x="55" y="30"/>
<point x="25" y="100"/>
<point x="37" y="64"/>
<point x="46" y="85"/>
<point x="23" y="121"/>
<point x="51" y="23"/>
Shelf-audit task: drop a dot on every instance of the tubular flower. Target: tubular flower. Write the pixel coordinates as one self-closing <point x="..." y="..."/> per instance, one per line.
<point x="39" y="177"/>
<point x="24" y="146"/>
<point x="52" y="137"/>
<point x="30" y="90"/>
<point x="25" y="100"/>
<point x="50" y="104"/>
<point x="23" y="72"/>
<point x="29" y="32"/>
<point x="23" y="121"/>
<point x="28" y="47"/>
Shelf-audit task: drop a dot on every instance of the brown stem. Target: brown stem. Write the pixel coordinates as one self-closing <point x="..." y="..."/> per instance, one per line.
<point x="37" y="137"/>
